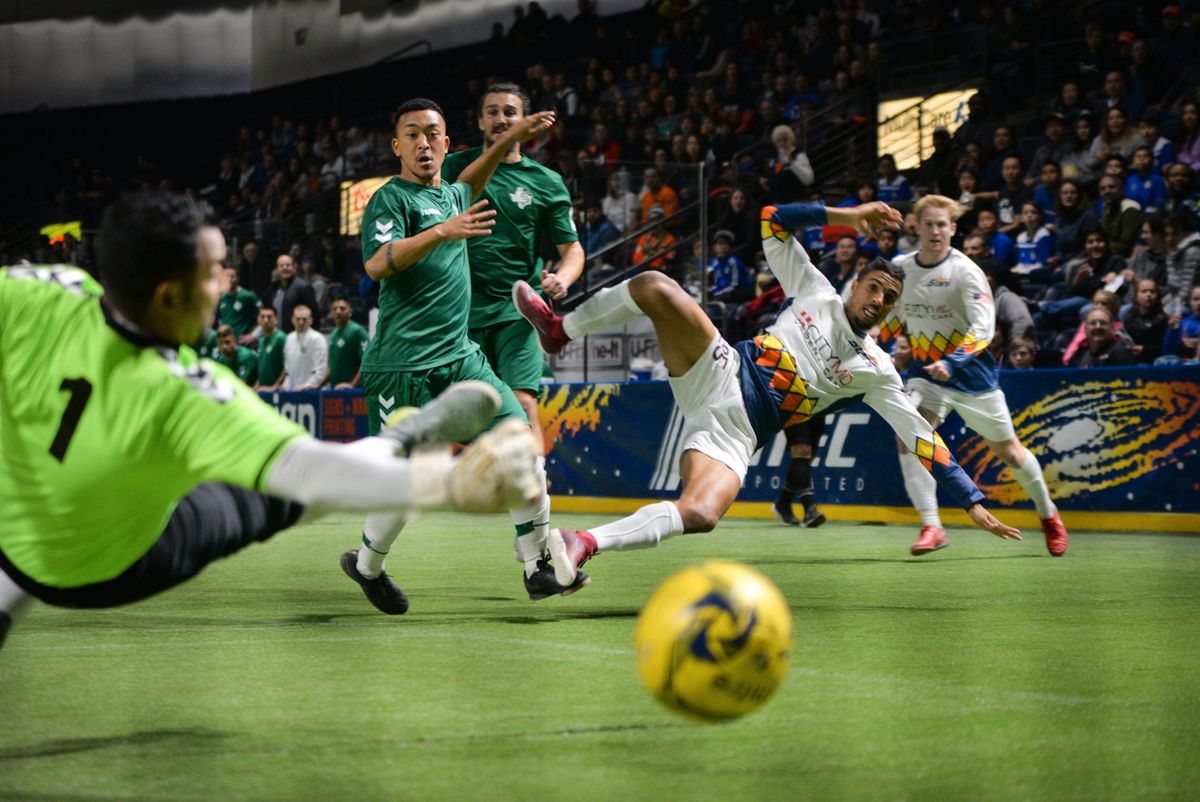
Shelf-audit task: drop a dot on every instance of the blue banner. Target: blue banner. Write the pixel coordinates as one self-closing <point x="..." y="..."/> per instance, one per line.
<point x="1121" y="439"/>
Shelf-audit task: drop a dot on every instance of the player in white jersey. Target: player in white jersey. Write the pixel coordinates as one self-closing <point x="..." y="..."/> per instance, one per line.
<point x="816" y="358"/>
<point x="947" y="312"/>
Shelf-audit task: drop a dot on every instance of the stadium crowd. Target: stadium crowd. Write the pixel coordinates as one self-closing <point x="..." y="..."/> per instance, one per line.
<point x="1081" y="206"/>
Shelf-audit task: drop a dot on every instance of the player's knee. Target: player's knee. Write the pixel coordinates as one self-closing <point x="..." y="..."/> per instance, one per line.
<point x="652" y="288"/>
<point x="699" y="517"/>
<point x="1011" y="452"/>
<point x="802" y="451"/>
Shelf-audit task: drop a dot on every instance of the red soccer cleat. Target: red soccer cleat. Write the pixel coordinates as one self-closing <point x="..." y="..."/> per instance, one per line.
<point x="1056" y="535"/>
<point x="569" y="549"/>
<point x="932" y="538"/>
<point x="539" y="314"/>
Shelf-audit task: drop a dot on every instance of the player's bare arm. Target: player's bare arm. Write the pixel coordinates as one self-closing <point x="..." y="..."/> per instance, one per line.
<point x="867" y="219"/>
<point x="985" y="520"/>
<point x="480" y="171"/>
<point x="570" y="268"/>
<point x="399" y="255"/>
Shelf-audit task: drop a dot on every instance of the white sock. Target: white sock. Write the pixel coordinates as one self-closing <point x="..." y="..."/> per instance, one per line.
<point x="1029" y="475"/>
<point x="612" y="307"/>
<point x="533" y="525"/>
<point x="379" y="533"/>
<point x="642" y="530"/>
<point x="13" y="600"/>
<point x="922" y="489"/>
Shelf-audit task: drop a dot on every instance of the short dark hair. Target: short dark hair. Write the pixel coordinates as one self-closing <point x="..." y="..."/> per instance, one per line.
<point x="146" y="238"/>
<point x="415" y="104"/>
<point x="506" y="88"/>
<point x="225" y="330"/>
<point x="881" y="265"/>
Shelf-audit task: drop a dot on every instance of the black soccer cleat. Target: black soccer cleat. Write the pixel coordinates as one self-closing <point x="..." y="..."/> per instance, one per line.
<point x="813" y="517"/>
<point x="541" y="584"/>
<point x="380" y="591"/>
<point x="783" y="511"/>
<point x="6" y="623"/>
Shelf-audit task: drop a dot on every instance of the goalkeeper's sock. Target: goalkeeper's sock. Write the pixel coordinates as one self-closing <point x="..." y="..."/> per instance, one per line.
<point x="642" y="530"/>
<point x="611" y="307"/>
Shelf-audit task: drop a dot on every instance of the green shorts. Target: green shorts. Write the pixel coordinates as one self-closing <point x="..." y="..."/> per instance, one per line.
<point x="512" y="350"/>
<point x="387" y="391"/>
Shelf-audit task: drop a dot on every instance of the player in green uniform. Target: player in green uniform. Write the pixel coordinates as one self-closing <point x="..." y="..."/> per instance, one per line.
<point x="413" y="242"/>
<point x="129" y="463"/>
<point x="347" y="344"/>
<point x="270" y="350"/>
<point x="238" y="358"/>
<point x="529" y="200"/>
<point x="238" y="308"/>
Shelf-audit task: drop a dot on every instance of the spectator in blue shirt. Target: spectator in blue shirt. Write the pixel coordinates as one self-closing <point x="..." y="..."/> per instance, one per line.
<point x="1035" y="244"/>
<point x="600" y="231"/>
<point x="1162" y="148"/>
<point x="1047" y="192"/>
<point x="1183" y="332"/>
<point x="1144" y="185"/>
<point x="729" y="279"/>
<point x="892" y="187"/>
<point x="1002" y="247"/>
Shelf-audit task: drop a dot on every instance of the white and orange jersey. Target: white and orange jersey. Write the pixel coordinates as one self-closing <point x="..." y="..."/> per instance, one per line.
<point x="812" y="360"/>
<point x="946" y="311"/>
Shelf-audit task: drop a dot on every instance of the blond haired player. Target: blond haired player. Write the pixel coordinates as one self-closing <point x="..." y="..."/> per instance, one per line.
<point x="947" y="312"/>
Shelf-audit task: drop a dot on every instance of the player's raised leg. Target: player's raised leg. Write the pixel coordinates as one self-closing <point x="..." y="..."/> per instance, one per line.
<point x="709" y="488"/>
<point x="684" y="331"/>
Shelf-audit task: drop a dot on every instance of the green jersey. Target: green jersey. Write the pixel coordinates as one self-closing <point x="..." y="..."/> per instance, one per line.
<point x="208" y="349"/>
<point x="529" y="199"/>
<point x="270" y="357"/>
<point x="423" y="309"/>
<point x="346" y="349"/>
<point x="244" y="364"/>
<point x="105" y="430"/>
<point x="239" y="310"/>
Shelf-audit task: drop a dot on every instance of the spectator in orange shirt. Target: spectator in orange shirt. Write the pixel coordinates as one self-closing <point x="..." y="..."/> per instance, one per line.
<point x="657" y="193"/>
<point x="657" y="243"/>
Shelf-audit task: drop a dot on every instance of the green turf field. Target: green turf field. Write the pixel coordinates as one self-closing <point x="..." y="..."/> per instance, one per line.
<point x="985" y="671"/>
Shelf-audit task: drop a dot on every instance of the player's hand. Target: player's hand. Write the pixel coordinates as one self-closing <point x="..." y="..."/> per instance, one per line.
<point x="474" y="222"/>
<point x="553" y="286"/>
<point x="985" y="520"/>
<point x="344" y="386"/>
<point x="938" y="370"/>
<point x="874" y="217"/>
<point x="533" y="125"/>
<point x="246" y="339"/>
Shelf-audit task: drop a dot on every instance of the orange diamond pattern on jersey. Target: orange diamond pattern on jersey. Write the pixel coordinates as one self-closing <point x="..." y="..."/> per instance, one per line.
<point x="890" y="329"/>
<point x="927" y="350"/>
<point x="931" y="451"/>
<point x="796" y="400"/>
<point x="770" y="228"/>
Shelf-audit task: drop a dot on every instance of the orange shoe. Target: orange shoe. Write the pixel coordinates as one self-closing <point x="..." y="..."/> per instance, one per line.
<point x="1056" y="535"/>
<point x="932" y="538"/>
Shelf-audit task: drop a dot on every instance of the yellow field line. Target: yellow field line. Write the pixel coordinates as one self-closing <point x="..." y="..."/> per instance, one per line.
<point x="1105" y="521"/>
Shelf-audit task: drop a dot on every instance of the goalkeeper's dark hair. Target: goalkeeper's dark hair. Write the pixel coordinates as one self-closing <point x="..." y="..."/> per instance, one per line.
<point x="416" y="104"/>
<point x="505" y="88"/>
<point x="146" y="238"/>
<point x="881" y="265"/>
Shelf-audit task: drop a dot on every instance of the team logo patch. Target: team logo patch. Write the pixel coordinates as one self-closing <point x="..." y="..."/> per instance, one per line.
<point x="522" y="197"/>
<point x="938" y="281"/>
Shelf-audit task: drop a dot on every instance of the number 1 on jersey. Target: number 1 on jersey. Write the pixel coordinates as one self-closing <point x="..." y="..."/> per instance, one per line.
<point x="80" y="390"/>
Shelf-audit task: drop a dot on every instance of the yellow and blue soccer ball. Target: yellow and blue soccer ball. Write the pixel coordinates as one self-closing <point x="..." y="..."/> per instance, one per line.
<point x="714" y="641"/>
